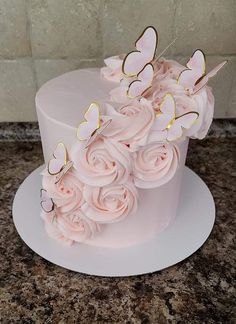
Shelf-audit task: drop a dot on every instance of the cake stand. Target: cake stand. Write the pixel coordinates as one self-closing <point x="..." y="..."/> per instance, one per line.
<point x="190" y="229"/>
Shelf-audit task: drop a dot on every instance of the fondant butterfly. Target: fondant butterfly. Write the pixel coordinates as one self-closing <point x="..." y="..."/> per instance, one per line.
<point x="170" y="126"/>
<point x="47" y="203"/>
<point x="90" y="129"/>
<point x="59" y="164"/>
<point x="195" y="78"/>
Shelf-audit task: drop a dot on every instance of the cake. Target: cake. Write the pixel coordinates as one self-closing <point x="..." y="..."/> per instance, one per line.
<point x="115" y="141"/>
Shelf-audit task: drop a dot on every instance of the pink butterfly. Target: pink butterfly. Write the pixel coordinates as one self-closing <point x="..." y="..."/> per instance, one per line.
<point x="170" y="126"/>
<point x="59" y="164"/>
<point x="195" y="77"/>
<point x="146" y="46"/>
<point x="47" y="203"/>
<point x="143" y="83"/>
<point x="90" y="129"/>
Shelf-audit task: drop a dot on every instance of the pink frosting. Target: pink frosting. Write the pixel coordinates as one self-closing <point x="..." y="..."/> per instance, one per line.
<point x="167" y="69"/>
<point x="202" y="102"/>
<point x="52" y="228"/>
<point x="67" y="194"/>
<point x="131" y="123"/>
<point x="155" y="164"/>
<point x="69" y="227"/>
<point x="205" y="102"/>
<point x="102" y="163"/>
<point x="113" y="69"/>
<point x="165" y="81"/>
<point x="111" y="203"/>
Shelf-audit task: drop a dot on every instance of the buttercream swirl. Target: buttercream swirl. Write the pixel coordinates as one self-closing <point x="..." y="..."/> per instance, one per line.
<point x="102" y="163"/>
<point x="110" y="203"/>
<point x="113" y="69"/>
<point x="67" y="194"/>
<point x="69" y="227"/>
<point x="131" y="123"/>
<point x="155" y="164"/>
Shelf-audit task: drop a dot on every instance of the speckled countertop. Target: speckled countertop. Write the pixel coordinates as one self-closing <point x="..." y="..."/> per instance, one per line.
<point x="201" y="289"/>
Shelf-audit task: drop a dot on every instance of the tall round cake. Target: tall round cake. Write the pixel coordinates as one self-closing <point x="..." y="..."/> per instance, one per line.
<point x="115" y="142"/>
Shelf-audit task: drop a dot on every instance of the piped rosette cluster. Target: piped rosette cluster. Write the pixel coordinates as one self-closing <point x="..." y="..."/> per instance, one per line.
<point x="132" y="143"/>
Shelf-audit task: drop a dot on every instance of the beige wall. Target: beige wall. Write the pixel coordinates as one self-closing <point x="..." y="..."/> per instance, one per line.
<point x="40" y="39"/>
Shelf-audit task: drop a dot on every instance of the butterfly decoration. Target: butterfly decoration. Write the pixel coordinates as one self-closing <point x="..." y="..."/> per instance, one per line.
<point x="91" y="128"/>
<point x="47" y="203"/>
<point x="59" y="164"/>
<point x="146" y="45"/>
<point x="194" y="78"/>
<point x="171" y="126"/>
<point x="143" y="83"/>
<point x="138" y="63"/>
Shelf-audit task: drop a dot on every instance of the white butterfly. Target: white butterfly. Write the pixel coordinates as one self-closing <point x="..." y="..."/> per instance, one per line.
<point x="59" y="164"/>
<point x="143" y="83"/>
<point x="170" y="126"/>
<point x="146" y="46"/>
<point x="195" y="78"/>
<point x="47" y="203"/>
<point x="90" y="129"/>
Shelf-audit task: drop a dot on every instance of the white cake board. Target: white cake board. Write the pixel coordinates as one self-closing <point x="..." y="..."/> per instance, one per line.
<point x="191" y="228"/>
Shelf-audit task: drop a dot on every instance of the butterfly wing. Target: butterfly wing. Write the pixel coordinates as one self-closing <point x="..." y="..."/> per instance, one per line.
<point x="64" y="170"/>
<point x="98" y="132"/>
<point x="183" y="122"/>
<point x="144" y="82"/>
<point x="196" y="69"/>
<point x="167" y="114"/>
<point x="56" y="164"/>
<point x="46" y="202"/>
<point x="209" y="75"/>
<point x="86" y="128"/>
<point x="146" y="45"/>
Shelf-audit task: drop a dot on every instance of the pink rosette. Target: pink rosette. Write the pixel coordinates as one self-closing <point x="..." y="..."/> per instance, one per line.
<point x="119" y="94"/>
<point x="166" y="69"/>
<point x="205" y="102"/>
<point x="131" y="123"/>
<point x="69" y="227"/>
<point x="103" y="162"/>
<point x="155" y="164"/>
<point x="202" y="102"/>
<point x="52" y="228"/>
<point x="111" y="203"/>
<point x="67" y="194"/>
<point x="113" y="69"/>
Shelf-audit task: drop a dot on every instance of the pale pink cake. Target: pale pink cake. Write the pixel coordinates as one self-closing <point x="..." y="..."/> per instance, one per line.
<point x="115" y="141"/>
<point x="60" y="104"/>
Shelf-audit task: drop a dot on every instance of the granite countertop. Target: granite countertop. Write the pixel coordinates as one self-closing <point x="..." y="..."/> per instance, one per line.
<point x="199" y="289"/>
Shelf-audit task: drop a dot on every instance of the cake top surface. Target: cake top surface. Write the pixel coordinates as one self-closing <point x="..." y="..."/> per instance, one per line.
<point x="64" y="98"/>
